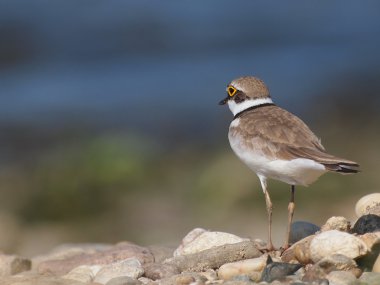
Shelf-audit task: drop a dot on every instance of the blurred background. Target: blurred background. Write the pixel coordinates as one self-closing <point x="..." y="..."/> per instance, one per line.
<point x="110" y="128"/>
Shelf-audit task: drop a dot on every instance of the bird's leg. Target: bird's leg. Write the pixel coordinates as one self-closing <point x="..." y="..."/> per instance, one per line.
<point x="269" y="206"/>
<point x="291" y="208"/>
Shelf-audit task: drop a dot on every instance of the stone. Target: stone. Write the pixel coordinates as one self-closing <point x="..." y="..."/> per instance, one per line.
<point x="198" y="240"/>
<point x="370" y="278"/>
<point x="110" y="255"/>
<point x="278" y="270"/>
<point x="366" y="204"/>
<point x="130" y="267"/>
<point x="300" y="251"/>
<point x="369" y="261"/>
<point x="83" y="273"/>
<point x="376" y="265"/>
<point x="337" y="223"/>
<point x="250" y="267"/>
<point x="339" y="262"/>
<point x="66" y="251"/>
<point x="156" y="271"/>
<point x="341" y="278"/>
<point x="145" y="280"/>
<point x="13" y="264"/>
<point x="186" y="278"/>
<point x="39" y="280"/>
<point x="161" y="253"/>
<point x="209" y="274"/>
<point x="367" y="224"/>
<point x="301" y="229"/>
<point x="336" y="242"/>
<point x="123" y="280"/>
<point x="215" y="257"/>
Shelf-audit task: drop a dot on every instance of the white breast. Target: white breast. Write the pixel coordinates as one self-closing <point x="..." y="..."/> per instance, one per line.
<point x="298" y="171"/>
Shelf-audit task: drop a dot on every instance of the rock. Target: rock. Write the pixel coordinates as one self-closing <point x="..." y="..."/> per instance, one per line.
<point x="337" y="223"/>
<point x="368" y="262"/>
<point x="13" y="264"/>
<point x="39" y="280"/>
<point x="209" y="274"/>
<point x="130" y="267"/>
<point x="301" y="229"/>
<point x="145" y="280"/>
<point x="322" y="268"/>
<point x="367" y="204"/>
<point x="123" y="280"/>
<point x="69" y="250"/>
<point x="339" y="262"/>
<point x="116" y="253"/>
<point x="341" y="278"/>
<point x="251" y="267"/>
<point x="161" y="253"/>
<point x="370" y="278"/>
<point x="156" y="271"/>
<point x="376" y="265"/>
<point x="184" y="279"/>
<point x="300" y="251"/>
<point x="215" y="257"/>
<point x="198" y="240"/>
<point x="367" y="224"/>
<point x="278" y="270"/>
<point x="336" y="242"/>
<point x="83" y="273"/>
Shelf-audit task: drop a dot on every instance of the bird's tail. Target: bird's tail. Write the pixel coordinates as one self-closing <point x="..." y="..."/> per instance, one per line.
<point x="343" y="167"/>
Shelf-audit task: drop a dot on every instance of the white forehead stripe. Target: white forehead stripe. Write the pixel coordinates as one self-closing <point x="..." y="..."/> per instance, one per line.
<point x="239" y="107"/>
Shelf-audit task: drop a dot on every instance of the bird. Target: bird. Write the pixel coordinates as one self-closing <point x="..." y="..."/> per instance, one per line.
<point x="276" y="144"/>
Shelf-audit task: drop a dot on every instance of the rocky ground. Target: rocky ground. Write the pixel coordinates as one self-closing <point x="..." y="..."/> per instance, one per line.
<point x="334" y="254"/>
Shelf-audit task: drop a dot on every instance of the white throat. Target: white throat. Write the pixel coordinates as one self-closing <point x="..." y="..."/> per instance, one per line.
<point x="238" y="107"/>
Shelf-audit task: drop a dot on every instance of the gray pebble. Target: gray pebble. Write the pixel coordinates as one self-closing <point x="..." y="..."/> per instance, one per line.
<point x="278" y="270"/>
<point x="301" y="229"/>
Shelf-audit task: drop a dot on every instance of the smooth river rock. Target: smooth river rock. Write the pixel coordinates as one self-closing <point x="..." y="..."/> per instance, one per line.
<point x="336" y="242"/>
<point x="302" y="229"/>
<point x="337" y="223"/>
<point x="252" y="267"/>
<point x="367" y="224"/>
<point x="199" y="239"/>
<point x="130" y="267"/>
<point x="368" y="204"/>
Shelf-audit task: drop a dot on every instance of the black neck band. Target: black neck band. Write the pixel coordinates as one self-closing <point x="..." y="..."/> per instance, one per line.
<point x="252" y="108"/>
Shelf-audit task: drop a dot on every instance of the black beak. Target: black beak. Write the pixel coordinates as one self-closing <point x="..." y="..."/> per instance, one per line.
<point x="224" y="101"/>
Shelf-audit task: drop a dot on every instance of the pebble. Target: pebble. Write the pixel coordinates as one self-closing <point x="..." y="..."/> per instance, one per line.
<point x="341" y="278"/>
<point x="278" y="270"/>
<point x="302" y="229"/>
<point x="13" y="264"/>
<point x="199" y="239"/>
<point x="336" y="242"/>
<point x="130" y="267"/>
<point x="123" y="280"/>
<point x="368" y="204"/>
<point x="300" y="251"/>
<point x="251" y="267"/>
<point x="83" y="273"/>
<point x="110" y="255"/>
<point x="339" y="262"/>
<point x="367" y="224"/>
<point x="156" y="271"/>
<point x="370" y="278"/>
<point x="337" y="223"/>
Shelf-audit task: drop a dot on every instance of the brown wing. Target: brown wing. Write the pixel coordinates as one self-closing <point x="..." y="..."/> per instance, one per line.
<point x="282" y="135"/>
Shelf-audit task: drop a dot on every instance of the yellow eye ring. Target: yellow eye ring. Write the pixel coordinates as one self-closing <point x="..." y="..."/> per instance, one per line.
<point x="231" y="91"/>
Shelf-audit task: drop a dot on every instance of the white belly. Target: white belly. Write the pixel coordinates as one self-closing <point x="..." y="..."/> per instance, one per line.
<point x="300" y="171"/>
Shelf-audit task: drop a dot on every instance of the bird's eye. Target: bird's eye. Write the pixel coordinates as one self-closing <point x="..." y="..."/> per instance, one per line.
<point x="231" y="91"/>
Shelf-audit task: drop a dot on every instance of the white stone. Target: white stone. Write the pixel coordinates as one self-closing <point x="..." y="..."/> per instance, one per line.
<point x="364" y="205"/>
<point x="341" y="278"/>
<point x="336" y="223"/>
<point x="251" y="267"/>
<point x="336" y="242"/>
<point x="198" y="240"/>
<point x="130" y="267"/>
<point x="83" y="273"/>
